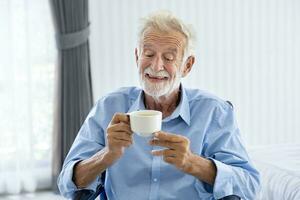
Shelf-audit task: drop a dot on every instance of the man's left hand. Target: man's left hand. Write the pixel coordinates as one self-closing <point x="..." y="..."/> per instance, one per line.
<point x="178" y="149"/>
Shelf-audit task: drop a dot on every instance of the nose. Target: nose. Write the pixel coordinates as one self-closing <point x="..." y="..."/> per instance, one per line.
<point x="158" y="64"/>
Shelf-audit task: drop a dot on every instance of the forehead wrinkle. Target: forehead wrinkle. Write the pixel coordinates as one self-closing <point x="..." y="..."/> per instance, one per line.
<point x="163" y="40"/>
<point x="172" y="49"/>
<point x="155" y="36"/>
<point x="169" y="41"/>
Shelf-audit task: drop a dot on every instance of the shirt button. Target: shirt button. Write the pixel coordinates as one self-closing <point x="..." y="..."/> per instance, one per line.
<point x="155" y="179"/>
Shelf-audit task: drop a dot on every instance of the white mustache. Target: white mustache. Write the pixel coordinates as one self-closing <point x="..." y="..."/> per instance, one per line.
<point x="160" y="74"/>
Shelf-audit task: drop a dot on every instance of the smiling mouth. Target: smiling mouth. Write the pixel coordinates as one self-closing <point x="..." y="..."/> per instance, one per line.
<point x="156" y="78"/>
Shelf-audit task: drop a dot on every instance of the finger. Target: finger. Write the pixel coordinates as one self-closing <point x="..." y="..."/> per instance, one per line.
<point x="120" y="127"/>
<point x="120" y="117"/>
<point x="168" y="144"/>
<point x="165" y="153"/>
<point x="123" y="143"/>
<point x="118" y="135"/>
<point x="168" y="137"/>
<point x="171" y="160"/>
<point x="121" y="136"/>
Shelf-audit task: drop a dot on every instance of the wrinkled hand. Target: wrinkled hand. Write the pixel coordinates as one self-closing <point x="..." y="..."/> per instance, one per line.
<point x="119" y="135"/>
<point x="178" y="149"/>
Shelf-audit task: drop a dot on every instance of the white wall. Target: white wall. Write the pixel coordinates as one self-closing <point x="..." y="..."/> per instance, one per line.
<point x="248" y="52"/>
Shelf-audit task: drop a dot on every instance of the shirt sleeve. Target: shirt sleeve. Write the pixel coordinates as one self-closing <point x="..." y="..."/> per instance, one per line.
<point x="236" y="174"/>
<point x="89" y="140"/>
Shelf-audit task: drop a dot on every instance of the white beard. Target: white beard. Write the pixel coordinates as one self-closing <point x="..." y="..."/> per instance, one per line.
<point x="159" y="89"/>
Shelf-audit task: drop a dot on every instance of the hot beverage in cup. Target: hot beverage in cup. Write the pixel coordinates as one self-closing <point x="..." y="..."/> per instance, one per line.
<point x="145" y="122"/>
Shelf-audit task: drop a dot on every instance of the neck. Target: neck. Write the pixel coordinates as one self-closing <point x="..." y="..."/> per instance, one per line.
<point x="166" y="104"/>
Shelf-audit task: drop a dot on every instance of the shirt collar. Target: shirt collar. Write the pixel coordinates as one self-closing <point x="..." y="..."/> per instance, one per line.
<point x="138" y="103"/>
<point x="182" y="110"/>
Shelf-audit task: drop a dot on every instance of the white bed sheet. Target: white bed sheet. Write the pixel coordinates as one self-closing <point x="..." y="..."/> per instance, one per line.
<point x="279" y="166"/>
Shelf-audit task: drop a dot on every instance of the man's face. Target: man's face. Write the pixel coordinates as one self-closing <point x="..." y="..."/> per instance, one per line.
<point x="160" y="62"/>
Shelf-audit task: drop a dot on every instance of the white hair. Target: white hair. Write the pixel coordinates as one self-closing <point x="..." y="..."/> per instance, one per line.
<point x="165" y="21"/>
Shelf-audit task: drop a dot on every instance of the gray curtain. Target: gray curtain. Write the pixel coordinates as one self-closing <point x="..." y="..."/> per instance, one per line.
<point x="74" y="96"/>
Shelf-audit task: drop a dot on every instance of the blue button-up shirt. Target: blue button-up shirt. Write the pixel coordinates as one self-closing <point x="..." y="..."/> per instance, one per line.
<point x="206" y="120"/>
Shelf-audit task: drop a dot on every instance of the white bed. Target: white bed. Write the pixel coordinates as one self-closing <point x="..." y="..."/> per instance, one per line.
<point x="279" y="166"/>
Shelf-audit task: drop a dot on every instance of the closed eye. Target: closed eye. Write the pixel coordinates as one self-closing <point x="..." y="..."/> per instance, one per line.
<point x="149" y="55"/>
<point x="169" y="57"/>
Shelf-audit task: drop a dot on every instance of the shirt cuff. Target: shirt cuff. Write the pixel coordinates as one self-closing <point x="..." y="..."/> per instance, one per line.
<point x="66" y="184"/>
<point x="223" y="185"/>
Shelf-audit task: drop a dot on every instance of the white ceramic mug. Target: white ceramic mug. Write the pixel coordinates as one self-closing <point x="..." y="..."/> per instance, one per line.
<point x="145" y="122"/>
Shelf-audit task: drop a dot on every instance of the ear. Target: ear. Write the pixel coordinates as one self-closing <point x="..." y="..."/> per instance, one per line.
<point x="136" y="56"/>
<point x="188" y="65"/>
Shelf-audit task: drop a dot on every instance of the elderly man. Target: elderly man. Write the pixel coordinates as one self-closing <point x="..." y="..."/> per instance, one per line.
<point x="197" y="155"/>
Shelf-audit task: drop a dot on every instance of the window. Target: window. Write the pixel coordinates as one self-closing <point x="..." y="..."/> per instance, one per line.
<point x="27" y="69"/>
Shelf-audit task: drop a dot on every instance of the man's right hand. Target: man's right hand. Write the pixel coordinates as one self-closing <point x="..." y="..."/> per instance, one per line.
<point x="119" y="135"/>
